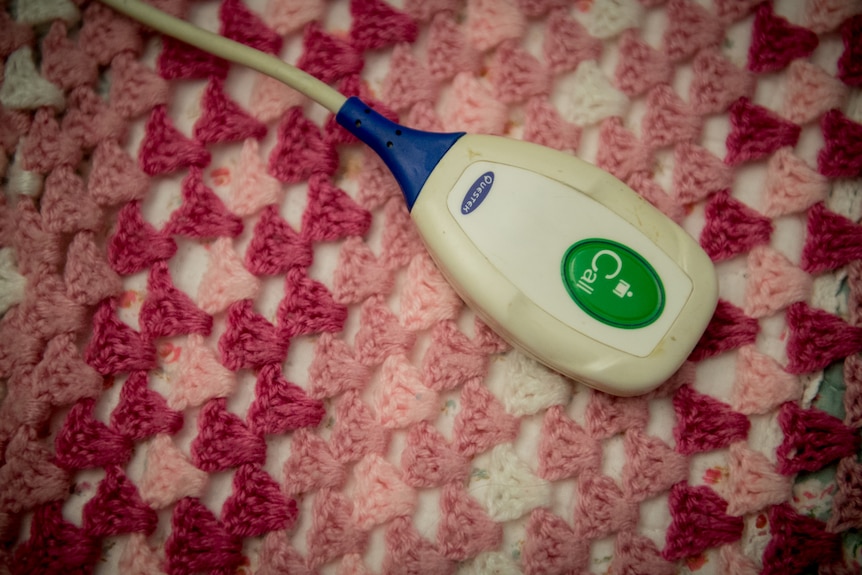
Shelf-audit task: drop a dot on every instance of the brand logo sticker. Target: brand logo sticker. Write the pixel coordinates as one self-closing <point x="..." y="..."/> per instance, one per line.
<point x="477" y="193"/>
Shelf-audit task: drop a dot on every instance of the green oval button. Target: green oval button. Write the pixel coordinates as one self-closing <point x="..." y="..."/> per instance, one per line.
<point x="613" y="283"/>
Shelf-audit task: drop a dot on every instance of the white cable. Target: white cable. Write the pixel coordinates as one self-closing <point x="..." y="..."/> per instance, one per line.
<point x="235" y="52"/>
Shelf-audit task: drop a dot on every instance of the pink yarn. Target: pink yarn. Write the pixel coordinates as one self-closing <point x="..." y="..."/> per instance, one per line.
<point x="179" y="61"/>
<point x="256" y="505"/>
<point x="717" y="83"/>
<point x="732" y="227"/>
<point x="169" y="475"/>
<point x="142" y="412"/>
<point x="517" y="75"/>
<point x="798" y="542"/>
<point x="331" y="214"/>
<point x="773" y="283"/>
<point x="199" y="542"/>
<point x="791" y="185"/>
<point x="63" y="63"/>
<point x="115" y="177"/>
<point x="668" y="119"/>
<point x="849" y="69"/>
<point x="135" y="88"/>
<point x="380" y="494"/>
<point x="448" y="52"/>
<point x="565" y="449"/>
<point x="812" y="439"/>
<point x="756" y="132"/>
<point x="826" y="15"/>
<point x="761" y="384"/>
<point x="640" y="66"/>
<point x="45" y="147"/>
<point x="407" y="81"/>
<point x="65" y="206"/>
<point x="275" y="247"/>
<point x="222" y="119"/>
<point x="536" y="8"/>
<point x="402" y="399"/>
<point x="326" y="57"/>
<point x="690" y="28"/>
<point x="115" y="347"/>
<point x="544" y="125"/>
<point x="429" y="461"/>
<point x="311" y="465"/>
<point x="853" y="393"/>
<point x="271" y="98"/>
<point x="165" y="149"/>
<point x="168" y="311"/>
<point x="704" y="423"/>
<point x="375" y="24"/>
<point x="465" y="530"/>
<point x="356" y="432"/>
<point x="15" y="34"/>
<point x="729" y="329"/>
<point x="654" y="193"/>
<point x="841" y="156"/>
<point x="697" y="173"/>
<point x="223" y="440"/>
<point x="550" y="545"/>
<point x="651" y="466"/>
<point x="90" y="120"/>
<point x="281" y="406"/>
<point x="601" y="508"/>
<point x="301" y="150"/>
<point x="308" y="307"/>
<point x="30" y="476"/>
<point x="202" y="213"/>
<point x="39" y="252"/>
<point x="424" y="10"/>
<point x="333" y="533"/>
<point x="401" y="241"/>
<point x="61" y="376"/>
<point x="225" y="280"/>
<point x="136" y="244"/>
<point x="408" y="553"/>
<point x="55" y="545"/>
<point x="620" y="152"/>
<point x="775" y="42"/>
<point x="427" y="297"/>
<point x="817" y="338"/>
<point x="287" y="16"/>
<point x="138" y="558"/>
<point x="491" y="22"/>
<point x="635" y="553"/>
<point x="277" y="555"/>
<point x="846" y="508"/>
<point x="250" y="341"/>
<point x="376" y="182"/>
<point x="380" y="335"/>
<point x="473" y="108"/>
<point x="13" y="125"/>
<point x="239" y="23"/>
<point x="811" y="91"/>
<point x="567" y="43"/>
<point x="105" y="33"/>
<point x="699" y="521"/>
<point x="200" y="376"/>
<point x="359" y="274"/>
<point x="117" y="508"/>
<point x="752" y="483"/>
<point x="252" y="187"/>
<point x="733" y="10"/>
<point x="85" y="442"/>
<point x="334" y="368"/>
<point x="482" y="422"/>
<point x="607" y="415"/>
<point x="452" y="358"/>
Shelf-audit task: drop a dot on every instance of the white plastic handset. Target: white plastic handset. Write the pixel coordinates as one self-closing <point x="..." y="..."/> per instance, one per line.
<point x="566" y="262"/>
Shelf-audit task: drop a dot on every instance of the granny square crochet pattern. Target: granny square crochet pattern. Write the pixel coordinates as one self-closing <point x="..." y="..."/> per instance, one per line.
<point x="224" y="348"/>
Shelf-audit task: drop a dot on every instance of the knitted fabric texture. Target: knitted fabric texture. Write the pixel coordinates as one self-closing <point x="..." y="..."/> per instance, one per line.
<point x="224" y="348"/>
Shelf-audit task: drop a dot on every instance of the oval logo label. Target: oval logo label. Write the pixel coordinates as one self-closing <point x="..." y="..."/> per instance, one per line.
<point x="477" y="193"/>
<point x="613" y="283"/>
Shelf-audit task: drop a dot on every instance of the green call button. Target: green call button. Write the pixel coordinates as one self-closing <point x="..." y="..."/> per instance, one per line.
<point x="613" y="283"/>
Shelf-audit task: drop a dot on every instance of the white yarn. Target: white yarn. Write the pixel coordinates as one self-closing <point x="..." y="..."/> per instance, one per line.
<point x="491" y="563"/>
<point x="608" y="18"/>
<point x="511" y="489"/>
<point x="23" y="88"/>
<point x="12" y="283"/>
<point x="529" y="387"/>
<point x="588" y="97"/>
<point x="22" y="182"/>
<point x="38" y="12"/>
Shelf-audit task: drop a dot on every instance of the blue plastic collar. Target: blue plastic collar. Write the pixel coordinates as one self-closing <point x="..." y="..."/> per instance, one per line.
<point x="411" y="155"/>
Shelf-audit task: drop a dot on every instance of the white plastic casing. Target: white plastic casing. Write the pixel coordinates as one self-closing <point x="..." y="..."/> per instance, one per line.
<point x="501" y="244"/>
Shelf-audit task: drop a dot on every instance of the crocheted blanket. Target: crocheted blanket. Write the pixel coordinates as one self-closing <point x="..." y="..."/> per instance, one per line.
<point x="224" y="348"/>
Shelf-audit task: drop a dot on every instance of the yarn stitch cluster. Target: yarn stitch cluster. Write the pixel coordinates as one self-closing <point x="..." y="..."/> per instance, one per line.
<point x="224" y="348"/>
